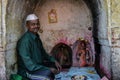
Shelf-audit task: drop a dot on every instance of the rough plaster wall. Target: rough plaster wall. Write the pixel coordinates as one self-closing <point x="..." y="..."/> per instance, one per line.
<point x="113" y="15"/>
<point x="69" y="28"/>
<point x="74" y="18"/>
<point x="115" y="37"/>
<point x="105" y="54"/>
<point x="0" y="22"/>
<point x="112" y="10"/>
<point x="16" y="12"/>
<point x="3" y="4"/>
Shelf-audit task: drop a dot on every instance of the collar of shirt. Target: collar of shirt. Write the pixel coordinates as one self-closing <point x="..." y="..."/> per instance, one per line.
<point x="34" y="36"/>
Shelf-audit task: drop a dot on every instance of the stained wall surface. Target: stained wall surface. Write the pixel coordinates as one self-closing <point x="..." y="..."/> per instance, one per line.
<point x="3" y="4"/>
<point x="73" y="17"/>
<point x="16" y="11"/>
<point x="115" y="37"/>
<point x="73" y="20"/>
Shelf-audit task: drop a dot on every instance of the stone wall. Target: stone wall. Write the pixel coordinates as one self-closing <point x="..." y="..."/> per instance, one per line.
<point x="107" y="13"/>
<point x="105" y="53"/>
<point x="15" y="21"/>
<point x="115" y="37"/>
<point x="3" y="4"/>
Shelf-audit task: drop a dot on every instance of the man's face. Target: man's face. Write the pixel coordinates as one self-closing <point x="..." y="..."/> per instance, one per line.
<point x="33" y="25"/>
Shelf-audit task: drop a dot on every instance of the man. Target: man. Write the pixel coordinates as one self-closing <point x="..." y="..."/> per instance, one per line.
<point x="31" y="54"/>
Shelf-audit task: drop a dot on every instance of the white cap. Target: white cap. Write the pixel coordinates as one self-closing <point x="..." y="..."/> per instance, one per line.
<point x="31" y="17"/>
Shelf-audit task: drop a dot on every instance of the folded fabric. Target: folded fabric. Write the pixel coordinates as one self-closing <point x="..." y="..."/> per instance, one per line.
<point x="15" y="77"/>
<point x="37" y="77"/>
<point x="78" y="73"/>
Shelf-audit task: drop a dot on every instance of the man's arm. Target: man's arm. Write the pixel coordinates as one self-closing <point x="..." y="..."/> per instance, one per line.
<point x="51" y="58"/>
<point x="24" y="51"/>
<point x="46" y="55"/>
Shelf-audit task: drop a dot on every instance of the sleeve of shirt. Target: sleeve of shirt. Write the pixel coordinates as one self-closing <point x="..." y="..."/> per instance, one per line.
<point x="24" y="52"/>
<point x="46" y="55"/>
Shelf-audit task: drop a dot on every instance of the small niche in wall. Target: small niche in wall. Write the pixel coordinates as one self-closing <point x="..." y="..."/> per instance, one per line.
<point x="52" y="16"/>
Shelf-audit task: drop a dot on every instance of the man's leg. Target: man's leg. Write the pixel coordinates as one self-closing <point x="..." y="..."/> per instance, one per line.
<point x="39" y="75"/>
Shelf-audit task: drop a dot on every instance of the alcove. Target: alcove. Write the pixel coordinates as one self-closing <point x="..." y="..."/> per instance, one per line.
<point x="75" y="19"/>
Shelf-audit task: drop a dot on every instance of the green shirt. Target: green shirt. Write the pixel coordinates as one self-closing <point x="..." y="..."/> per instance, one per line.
<point x="31" y="54"/>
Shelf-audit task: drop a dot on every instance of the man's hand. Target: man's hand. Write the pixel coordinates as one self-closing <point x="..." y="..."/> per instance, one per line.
<point x="58" y="66"/>
<point x="55" y="71"/>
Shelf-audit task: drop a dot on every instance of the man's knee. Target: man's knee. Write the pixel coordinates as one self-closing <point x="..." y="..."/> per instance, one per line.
<point x="50" y="74"/>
